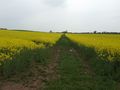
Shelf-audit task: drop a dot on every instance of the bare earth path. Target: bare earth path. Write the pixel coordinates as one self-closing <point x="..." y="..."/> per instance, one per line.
<point x="76" y="73"/>
<point x="36" y="77"/>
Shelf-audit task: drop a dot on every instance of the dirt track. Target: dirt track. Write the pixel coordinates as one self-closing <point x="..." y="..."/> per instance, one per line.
<point x="36" y="77"/>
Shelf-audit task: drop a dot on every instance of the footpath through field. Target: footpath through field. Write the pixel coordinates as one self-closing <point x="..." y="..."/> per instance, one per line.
<point x="66" y="70"/>
<point x="75" y="73"/>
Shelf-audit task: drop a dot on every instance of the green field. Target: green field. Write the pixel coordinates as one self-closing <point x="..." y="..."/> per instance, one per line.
<point x="56" y="61"/>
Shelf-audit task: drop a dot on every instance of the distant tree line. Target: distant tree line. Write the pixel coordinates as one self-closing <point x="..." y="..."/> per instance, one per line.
<point x="95" y="32"/>
<point x="3" y="29"/>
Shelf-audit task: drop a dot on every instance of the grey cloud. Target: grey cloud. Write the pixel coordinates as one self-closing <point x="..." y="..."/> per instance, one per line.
<point x="44" y="15"/>
<point x="55" y="3"/>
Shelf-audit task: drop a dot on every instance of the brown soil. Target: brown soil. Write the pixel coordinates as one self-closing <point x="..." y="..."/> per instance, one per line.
<point x="36" y="77"/>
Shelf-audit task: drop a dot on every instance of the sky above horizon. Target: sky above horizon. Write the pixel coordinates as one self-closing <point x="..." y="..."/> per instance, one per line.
<point x="61" y="15"/>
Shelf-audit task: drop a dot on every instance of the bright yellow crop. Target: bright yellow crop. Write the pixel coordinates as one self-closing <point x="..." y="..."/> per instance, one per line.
<point x="101" y="42"/>
<point x="39" y="36"/>
<point x="12" y="42"/>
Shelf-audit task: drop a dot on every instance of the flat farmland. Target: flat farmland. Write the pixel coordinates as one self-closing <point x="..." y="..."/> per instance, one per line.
<point x="58" y="61"/>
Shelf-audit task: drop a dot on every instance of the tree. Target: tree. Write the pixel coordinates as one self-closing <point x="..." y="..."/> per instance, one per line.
<point x="65" y="31"/>
<point x="50" y="31"/>
<point x="95" y="32"/>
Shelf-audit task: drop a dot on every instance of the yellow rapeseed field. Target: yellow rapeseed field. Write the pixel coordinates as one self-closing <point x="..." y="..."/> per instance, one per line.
<point x="109" y="43"/>
<point x="12" y="42"/>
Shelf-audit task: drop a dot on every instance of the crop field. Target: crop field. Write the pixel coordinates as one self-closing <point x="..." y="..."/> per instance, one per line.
<point x="103" y="49"/>
<point x="101" y="43"/>
<point x="12" y="42"/>
<point x="58" y="61"/>
<point x="15" y="45"/>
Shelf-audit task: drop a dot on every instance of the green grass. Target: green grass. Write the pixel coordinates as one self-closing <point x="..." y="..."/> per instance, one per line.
<point x="73" y="75"/>
<point x="101" y="50"/>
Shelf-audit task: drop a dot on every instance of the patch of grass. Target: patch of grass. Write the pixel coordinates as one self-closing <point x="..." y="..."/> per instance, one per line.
<point x="102" y="51"/>
<point x="23" y="60"/>
<point x="73" y="75"/>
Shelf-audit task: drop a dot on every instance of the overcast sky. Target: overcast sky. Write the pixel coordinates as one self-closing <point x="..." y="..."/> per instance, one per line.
<point x="60" y="15"/>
